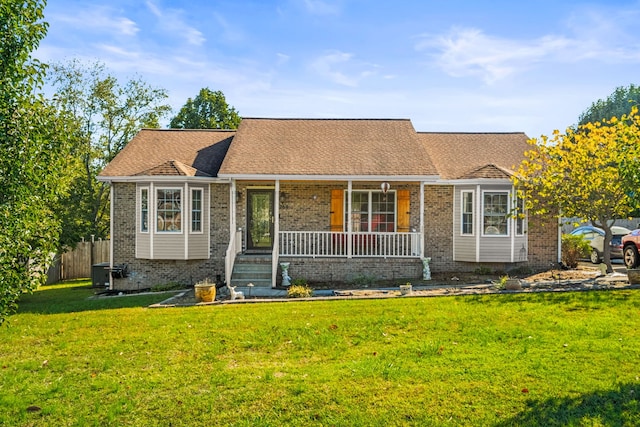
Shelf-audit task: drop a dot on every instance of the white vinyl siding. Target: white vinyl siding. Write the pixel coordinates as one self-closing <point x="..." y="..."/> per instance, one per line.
<point x="502" y="236"/>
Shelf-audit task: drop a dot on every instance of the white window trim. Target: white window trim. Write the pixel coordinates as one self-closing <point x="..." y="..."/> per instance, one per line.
<point x="202" y="206"/>
<point x="370" y="207"/>
<point x="182" y="209"/>
<point x="507" y="216"/>
<point x="149" y="213"/>
<point x="462" y="212"/>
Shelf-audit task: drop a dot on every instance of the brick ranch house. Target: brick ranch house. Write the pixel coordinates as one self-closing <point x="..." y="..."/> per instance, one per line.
<point x="335" y="199"/>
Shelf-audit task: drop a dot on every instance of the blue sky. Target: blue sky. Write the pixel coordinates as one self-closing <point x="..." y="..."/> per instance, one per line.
<point x="449" y="65"/>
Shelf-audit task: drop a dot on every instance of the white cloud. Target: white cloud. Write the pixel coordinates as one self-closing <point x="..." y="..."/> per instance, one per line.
<point x="171" y="21"/>
<point x="602" y="36"/>
<point x="97" y="19"/>
<point x="470" y="52"/>
<point x="339" y="68"/>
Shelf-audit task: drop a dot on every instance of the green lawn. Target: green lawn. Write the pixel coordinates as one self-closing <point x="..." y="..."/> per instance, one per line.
<point x="505" y="359"/>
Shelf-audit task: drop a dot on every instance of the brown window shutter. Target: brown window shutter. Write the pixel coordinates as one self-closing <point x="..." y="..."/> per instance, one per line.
<point x="404" y="210"/>
<point x="337" y="210"/>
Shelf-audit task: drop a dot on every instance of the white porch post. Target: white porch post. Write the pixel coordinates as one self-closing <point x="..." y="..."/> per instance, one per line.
<point x="349" y="220"/>
<point x="232" y="234"/>
<point x="232" y="210"/>
<point x="422" y="219"/>
<point x="276" y="234"/>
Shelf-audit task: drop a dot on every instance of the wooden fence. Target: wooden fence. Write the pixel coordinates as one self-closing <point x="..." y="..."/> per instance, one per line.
<point x="76" y="264"/>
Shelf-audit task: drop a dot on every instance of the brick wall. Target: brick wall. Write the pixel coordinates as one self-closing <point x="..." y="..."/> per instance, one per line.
<point x="301" y="211"/>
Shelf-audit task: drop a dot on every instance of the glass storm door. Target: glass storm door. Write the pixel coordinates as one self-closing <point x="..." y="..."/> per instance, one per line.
<point x="260" y="219"/>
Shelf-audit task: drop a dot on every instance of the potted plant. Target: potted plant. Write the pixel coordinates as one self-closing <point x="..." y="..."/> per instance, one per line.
<point x="205" y="291"/>
<point x="406" y="289"/>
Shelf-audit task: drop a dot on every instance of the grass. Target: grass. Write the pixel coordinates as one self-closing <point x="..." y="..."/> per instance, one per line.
<point x="517" y="359"/>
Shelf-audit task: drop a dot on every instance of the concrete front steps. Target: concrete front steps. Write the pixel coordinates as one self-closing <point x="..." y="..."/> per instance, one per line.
<point x="254" y="269"/>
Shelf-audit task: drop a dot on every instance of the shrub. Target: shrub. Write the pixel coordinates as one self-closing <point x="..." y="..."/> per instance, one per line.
<point x="299" y="291"/>
<point x="573" y="249"/>
<point x="299" y="282"/>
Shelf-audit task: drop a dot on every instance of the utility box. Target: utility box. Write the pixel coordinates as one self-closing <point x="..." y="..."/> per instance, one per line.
<point x="100" y="275"/>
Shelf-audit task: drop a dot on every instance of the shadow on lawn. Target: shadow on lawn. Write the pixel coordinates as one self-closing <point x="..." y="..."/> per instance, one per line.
<point x="619" y="407"/>
<point x="72" y="299"/>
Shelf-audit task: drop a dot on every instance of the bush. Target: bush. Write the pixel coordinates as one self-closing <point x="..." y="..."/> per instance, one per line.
<point x="299" y="291"/>
<point x="299" y="282"/>
<point x="573" y="249"/>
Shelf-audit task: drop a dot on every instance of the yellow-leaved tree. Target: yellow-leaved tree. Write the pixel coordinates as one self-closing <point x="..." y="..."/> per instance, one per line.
<point x="590" y="172"/>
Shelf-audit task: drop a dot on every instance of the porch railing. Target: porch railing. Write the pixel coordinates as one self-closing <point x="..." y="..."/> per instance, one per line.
<point x="235" y="246"/>
<point x="332" y="244"/>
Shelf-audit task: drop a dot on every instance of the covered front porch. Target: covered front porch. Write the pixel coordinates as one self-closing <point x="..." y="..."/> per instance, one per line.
<point x="343" y="221"/>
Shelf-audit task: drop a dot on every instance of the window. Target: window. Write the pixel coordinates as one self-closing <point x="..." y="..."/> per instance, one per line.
<point x="144" y="210"/>
<point x="169" y="210"/>
<point x="467" y="212"/>
<point x="520" y="217"/>
<point x="196" y="210"/>
<point x="495" y="210"/>
<point x="373" y="211"/>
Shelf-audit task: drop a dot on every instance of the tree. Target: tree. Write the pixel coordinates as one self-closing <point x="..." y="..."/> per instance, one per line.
<point x="209" y="110"/>
<point x="617" y="104"/>
<point x="35" y="147"/>
<point x="585" y="173"/>
<point x="109" y="115"/>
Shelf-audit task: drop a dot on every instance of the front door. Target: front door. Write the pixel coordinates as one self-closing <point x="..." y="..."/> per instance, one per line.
<point x="259" y="220"/>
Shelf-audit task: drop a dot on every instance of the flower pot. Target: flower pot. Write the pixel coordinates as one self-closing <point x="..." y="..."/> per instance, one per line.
<point x="205" y="292"/>
<point x="405" y="289"/>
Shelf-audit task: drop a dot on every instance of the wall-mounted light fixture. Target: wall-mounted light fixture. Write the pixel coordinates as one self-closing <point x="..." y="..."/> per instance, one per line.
<point x="385" y="186"/>
<point x="314" y="197"/>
